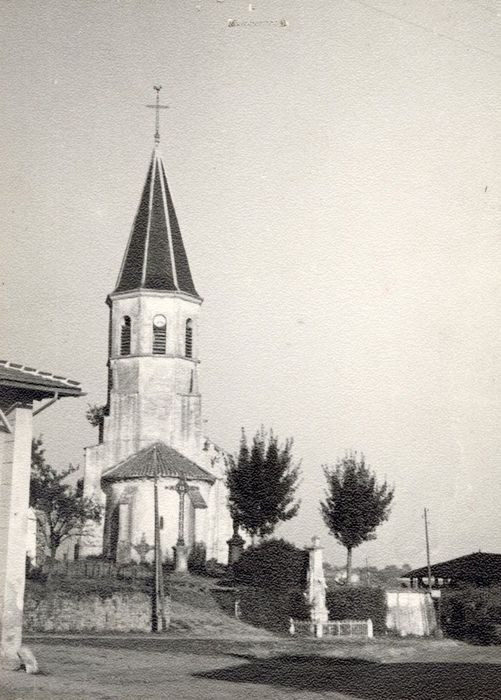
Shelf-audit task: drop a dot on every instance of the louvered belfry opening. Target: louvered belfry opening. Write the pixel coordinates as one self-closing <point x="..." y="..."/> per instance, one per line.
<point x="188" y="342"/>
<point x="125" y="335"/>
<point x="159" y="335"/>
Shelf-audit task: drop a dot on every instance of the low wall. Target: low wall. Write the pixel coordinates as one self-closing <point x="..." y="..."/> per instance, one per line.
<point x="62" y="611"/>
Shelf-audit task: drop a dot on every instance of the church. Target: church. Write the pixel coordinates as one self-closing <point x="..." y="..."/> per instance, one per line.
<point x="150" y="438"/>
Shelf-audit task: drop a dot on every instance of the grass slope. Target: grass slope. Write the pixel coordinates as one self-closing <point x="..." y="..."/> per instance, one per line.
<point x="195" y="611"/>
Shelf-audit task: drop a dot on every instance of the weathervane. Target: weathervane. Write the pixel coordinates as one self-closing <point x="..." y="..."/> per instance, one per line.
<point x="157" y="107"/>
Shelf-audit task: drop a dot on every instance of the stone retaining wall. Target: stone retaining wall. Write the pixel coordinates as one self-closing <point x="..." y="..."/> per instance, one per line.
<point x="63" y="611"/>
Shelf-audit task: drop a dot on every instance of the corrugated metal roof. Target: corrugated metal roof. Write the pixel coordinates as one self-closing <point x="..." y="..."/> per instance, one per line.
<point x="159" y="457"/>
<point x="155" y="257"/>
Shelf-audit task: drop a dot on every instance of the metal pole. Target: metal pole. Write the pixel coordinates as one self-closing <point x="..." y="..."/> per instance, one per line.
<point x="159" y="584"/>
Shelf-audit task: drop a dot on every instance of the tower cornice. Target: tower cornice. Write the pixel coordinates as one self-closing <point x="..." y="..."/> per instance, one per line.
<point x="168" y="355"/>
<point x="163" y="294"/>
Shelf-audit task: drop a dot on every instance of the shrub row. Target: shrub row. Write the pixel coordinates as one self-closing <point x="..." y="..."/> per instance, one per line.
<point x="358" y="603"/>
<point x="272" y="609"/>
<point x="274" y="574"/>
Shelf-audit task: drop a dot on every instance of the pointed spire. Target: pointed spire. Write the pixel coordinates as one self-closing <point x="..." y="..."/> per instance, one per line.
<point x="155" y="257"/>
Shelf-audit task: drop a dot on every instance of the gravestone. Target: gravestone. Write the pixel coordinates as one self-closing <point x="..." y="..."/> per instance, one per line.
<point x="142" y="548"/>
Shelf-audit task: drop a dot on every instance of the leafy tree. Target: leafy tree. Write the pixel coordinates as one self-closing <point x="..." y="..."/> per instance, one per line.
<point x="262" y="483"/>
<point x="61" y="510"/>
<point x="355" y="503"/>
<point x="242" y="483"/>
<point x="96" y="414"/>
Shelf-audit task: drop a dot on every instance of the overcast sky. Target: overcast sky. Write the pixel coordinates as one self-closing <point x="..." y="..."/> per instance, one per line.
<point x="338" y="185"/>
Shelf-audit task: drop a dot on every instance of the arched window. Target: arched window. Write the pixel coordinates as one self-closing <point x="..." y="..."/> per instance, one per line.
<point x="188" y="339"/>
<point x="125" y="336"/>
<point x="159" y="335"/>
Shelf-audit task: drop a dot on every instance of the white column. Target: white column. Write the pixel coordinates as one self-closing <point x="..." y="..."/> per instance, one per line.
<point x="316" y="585"/>
<point x="15" y="465"/>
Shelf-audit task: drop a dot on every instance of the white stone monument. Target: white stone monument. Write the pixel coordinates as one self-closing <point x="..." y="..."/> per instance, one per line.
<point x="317" y="586"/>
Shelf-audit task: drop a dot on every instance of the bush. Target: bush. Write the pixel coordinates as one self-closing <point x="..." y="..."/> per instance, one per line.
<point x="197" y="558"/>
<point x="472" y="613"/>
<point x="274" y="564"/>
<point x="215" y="569"/>
<point x="358" y="603"/>
<point x="168" y="565"/>
<point x="36" y="573"/>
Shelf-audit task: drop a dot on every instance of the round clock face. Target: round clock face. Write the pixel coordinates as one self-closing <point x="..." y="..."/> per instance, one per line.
<point x="159" y="321"/>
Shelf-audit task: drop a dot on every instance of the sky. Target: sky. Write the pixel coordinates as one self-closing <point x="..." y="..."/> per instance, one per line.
<point x="338" y="186"/>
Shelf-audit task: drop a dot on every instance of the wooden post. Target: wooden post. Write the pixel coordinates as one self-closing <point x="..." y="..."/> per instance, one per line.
<point x="427" y="548"/>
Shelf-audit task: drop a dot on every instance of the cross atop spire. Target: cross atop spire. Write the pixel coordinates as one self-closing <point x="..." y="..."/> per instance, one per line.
<point x="157" y="107"/>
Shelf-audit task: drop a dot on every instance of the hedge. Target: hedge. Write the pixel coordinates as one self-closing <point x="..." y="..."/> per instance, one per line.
<point x="272" y="609"/>
<point x="358" y="603"/>
<point x="472" y="613"/>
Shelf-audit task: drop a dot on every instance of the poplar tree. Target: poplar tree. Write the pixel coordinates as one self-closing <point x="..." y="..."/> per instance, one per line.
<point x="262" y="483"/>
<point x="355" y="504"/>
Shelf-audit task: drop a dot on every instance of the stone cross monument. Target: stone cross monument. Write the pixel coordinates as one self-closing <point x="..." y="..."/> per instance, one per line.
<point x="181" y="563"/>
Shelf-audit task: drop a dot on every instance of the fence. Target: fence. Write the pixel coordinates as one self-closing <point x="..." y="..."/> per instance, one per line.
<point x="360" y="629"/>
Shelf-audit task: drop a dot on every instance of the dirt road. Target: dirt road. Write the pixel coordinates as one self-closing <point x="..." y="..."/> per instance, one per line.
<point x="189" y="669"/>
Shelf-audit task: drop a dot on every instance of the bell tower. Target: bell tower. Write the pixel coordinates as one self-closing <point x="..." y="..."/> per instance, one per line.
<point x="153" y="341"/>
<point x="150" y="433"/>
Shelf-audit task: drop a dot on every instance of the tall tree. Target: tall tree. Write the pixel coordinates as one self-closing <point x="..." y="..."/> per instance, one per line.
<point x="355" y="504"/>
<point x="262" y="483"/>
<point x="61" y="510"/>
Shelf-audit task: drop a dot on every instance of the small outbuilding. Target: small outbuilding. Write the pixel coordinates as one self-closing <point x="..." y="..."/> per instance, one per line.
<point x="20" y="388"/>
<point x="479" y="569"/>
